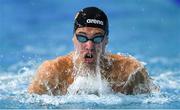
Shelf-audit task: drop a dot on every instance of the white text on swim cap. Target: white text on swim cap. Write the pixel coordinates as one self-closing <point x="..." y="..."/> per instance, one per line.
<point x="94" y="21"/>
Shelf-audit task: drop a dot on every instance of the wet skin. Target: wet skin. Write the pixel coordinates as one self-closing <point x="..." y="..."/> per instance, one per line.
<point x="89" y="48"/>
<point x="123" y="73"/>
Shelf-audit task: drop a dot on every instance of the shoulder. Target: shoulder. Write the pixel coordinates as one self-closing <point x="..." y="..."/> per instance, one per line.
<point x="59" y="61"/>
<point x="132" y="72"/>
<point x="49" y="74"/>
<point x="123" y="66"/>
<point x="55" y="67"/>
<point x="125" y="63"/>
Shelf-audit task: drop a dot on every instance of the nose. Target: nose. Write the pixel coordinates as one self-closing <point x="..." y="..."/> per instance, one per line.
<point x="90" y="45"/>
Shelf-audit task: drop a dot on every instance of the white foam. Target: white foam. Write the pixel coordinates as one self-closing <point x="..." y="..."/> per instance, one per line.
<point x="157" y="98"/>
<point x="16" y="83"/>
<point x="90" y="84"/>
<point x="168" y="79"/>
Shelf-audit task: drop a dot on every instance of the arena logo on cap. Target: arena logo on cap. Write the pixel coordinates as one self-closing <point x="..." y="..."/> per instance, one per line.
<point x="95" y="21"/>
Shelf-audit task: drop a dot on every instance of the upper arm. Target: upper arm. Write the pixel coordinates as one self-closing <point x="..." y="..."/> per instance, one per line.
<point x="42" y="81"/>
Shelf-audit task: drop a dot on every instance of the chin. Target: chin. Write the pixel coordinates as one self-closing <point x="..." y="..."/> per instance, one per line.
<point x="90" y="62"/>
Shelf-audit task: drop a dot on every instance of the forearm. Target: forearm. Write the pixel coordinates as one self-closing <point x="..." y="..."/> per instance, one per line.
<point x="137" y="82"/>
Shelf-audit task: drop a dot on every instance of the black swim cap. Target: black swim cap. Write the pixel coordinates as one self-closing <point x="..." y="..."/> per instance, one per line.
<point x="91" y="17"/>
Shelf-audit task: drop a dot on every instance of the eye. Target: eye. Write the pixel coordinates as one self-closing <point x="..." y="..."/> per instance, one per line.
<point x="81" y="38"/>
<point x="98" y="39"/>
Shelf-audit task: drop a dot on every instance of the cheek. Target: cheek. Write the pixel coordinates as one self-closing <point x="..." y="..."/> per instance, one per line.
<point x="98" y="47"/>
<point x="101" y="47"/>
<point x="79" y="46"/>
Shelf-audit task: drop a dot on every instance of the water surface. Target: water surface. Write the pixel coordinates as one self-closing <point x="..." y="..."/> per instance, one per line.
<point x="33" y="31"/>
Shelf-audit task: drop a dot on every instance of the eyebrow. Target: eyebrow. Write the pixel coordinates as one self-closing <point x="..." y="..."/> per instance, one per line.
<point x="82" y="33"/>
<point x="98" y="33"/>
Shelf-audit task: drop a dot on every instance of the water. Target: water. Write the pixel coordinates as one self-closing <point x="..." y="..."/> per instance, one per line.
<point x="32" y="31"/>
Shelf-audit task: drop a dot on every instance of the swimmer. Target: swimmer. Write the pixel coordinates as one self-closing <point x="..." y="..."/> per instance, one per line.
<point x="124" y="74"/>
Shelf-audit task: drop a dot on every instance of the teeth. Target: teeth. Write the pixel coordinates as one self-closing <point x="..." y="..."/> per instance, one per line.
<point x="89" y="56"/>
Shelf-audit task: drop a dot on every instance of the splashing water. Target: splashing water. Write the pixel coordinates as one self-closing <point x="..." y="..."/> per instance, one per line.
<point x="148" y="29"/>
<point x="13" y="93"/>
<point x="88" y="80"/>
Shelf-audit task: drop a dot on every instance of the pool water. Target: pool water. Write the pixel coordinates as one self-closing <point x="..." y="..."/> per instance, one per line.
<point x="34" y="31"/>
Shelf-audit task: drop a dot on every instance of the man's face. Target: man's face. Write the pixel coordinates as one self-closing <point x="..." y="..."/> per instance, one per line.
<point x="90" y="50"/>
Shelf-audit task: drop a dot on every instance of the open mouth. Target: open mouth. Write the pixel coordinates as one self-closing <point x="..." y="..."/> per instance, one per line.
<point x="89" y="58"/>
<point x="88" y="55"/>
